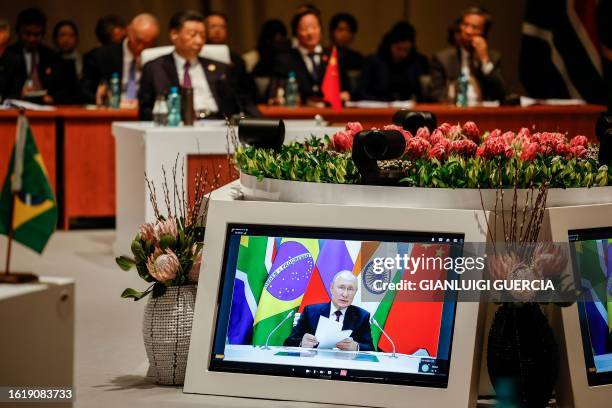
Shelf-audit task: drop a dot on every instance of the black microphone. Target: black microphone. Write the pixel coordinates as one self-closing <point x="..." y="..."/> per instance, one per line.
<point x="291" y="313"/>
<point x="262" y="133"/>
<point x="373" y="320"/>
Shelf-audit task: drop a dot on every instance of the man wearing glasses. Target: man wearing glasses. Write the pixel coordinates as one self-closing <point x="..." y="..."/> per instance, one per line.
<point x="472" y="57"/>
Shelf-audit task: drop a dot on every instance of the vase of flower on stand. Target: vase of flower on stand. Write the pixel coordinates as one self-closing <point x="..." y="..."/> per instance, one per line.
<point x="167" y="254"/>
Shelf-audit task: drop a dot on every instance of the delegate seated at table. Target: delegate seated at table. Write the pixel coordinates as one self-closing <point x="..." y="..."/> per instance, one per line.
<point x="209" y="79"/>
<point x="341" y="310"/>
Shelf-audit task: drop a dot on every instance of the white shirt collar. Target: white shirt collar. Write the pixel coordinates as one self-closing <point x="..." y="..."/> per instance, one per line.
<point x="180" y="61"/>
<point x="317" y="50"/>
<point x="126" y="50"/>
<point x="333" y="309"/>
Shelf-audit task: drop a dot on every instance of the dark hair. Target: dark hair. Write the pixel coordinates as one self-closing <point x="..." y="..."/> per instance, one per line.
<point x="401" y="31"/>
<point x="308" y="7"/>
<point x="295" y="21"/>
<point x="63" y="23"/>
<point x="180" y="18"/>
<point x="347" y="18"/>
<point x="452" y="31"/>
<point x="269" y="30"/>
<point x="105" y="27"/>
<point x="480" y="11"/>
<point x="218" y="14"/>
<point x="31" y="16"/>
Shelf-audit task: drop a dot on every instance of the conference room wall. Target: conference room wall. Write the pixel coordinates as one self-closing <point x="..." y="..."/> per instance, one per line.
<point x="430" y="18"/>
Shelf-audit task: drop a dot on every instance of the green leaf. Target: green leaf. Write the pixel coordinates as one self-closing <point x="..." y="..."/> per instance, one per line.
<point x="130" y="293"/>
<point x="138" y="251"/>
<point x="167" y="241"/>
<point x="125" y="263"/>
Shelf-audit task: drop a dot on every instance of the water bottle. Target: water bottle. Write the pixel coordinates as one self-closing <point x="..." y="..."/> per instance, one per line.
<point x="160" y="111"/>
<point x="174" y="107"/>
<point x="292" y="91"/>
<point x="115" y="90"/>
<point x="462" y="89"/>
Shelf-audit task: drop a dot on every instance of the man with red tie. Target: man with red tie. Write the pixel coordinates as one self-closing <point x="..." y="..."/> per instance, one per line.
<point x="38" y="74"/>
<point x="213" y="94"/>
<point x="341" y="310"/>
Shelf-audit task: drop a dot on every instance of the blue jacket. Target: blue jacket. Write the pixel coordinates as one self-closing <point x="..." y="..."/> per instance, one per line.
<point x="355" y="319"/>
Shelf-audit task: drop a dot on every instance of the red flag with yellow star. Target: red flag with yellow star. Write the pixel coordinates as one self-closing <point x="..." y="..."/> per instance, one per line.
<point x="331" y="82"/>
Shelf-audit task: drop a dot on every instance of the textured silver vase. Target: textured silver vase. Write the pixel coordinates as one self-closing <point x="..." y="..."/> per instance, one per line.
<point x="166" y="330"/>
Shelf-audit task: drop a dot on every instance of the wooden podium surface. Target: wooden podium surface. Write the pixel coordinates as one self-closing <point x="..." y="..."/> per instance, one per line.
<point x="579" y="119"/>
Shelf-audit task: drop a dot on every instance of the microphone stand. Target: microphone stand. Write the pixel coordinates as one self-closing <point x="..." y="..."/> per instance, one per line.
<point x="291" y="313"/>
<point x="373" y="320"/>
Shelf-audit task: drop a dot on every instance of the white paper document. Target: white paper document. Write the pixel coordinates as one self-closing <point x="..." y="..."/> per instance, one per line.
<point x="329" y="333"/>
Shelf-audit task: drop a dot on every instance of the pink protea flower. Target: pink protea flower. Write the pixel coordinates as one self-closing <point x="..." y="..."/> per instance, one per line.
<point x="578" y="151"/>
<point x="354" y="127"/>
<point x="524" y="133"/>
<point x="166" y="227"/>
<point x="508" y="137"/>
<point x="529" y="151"/>
<point x="342" y="141"/>
<point x="494" y="133"/>
<point x="438" y="151"/>
<point x="146" y="232"/>
<point x="416" y="147"/>
<point x="480" y="152"/>
<point x="471" y="131"/>
<point x="579" y="140"/>
<point x="445" y="128"/>
<point x="438" y="137"/>
<point x="494" y="147"/>
<point x="423" y="132"/>
<point x="463" y="147"/>
<point x="194" y="273"/>
<point x="562" y="149"/>
<point x="454" y="133"/>
<point x="163" y="267"/>
<point x="508" y="151"/>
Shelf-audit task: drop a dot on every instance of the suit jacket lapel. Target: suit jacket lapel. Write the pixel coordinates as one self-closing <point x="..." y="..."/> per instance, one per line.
<point x="212" y="77"/>
<point x="171" y="72"/>
<point x="348" y="315"/>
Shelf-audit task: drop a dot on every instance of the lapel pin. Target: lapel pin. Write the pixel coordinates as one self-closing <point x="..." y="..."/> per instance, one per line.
<point x="212" y="67"/>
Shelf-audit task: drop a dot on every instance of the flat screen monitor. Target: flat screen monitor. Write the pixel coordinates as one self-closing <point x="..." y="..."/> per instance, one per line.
<point x="274" y="276"/>
<point x="586" y="369"/>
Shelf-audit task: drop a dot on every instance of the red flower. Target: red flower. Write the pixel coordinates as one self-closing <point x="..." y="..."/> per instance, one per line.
<point x="423" y="132"/>
<point x="438" y="151"/>
<point x="524" y="133"/>
<point x="480" y="152"/>
<point x="407" y="134"/>
<point x="494" y="133"/>
<point x="508" y="151"/>
<point x="471" y="131"/>
<point x="354" y="127"/>
<point x="445" y="128"/>
<point x="578" y="151"/>
<point x="342" y="141"/>
<point x="438" y="137"/>
<point x="562" y="149"/>
<point x="464" y="147"/>
<point x="530" y="151"/>
<point x="416" y="147"/>
<point x="579" y="141"/>
<point x="508" y="137"/>
<point x="454" y="133"/>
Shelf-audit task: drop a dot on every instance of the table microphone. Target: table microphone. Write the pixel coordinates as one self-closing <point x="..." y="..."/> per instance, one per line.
<point x="291" y="313"/>
<point x="373" y="320"/>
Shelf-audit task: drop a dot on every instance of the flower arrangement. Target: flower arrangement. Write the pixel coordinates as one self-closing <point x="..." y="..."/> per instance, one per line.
<point x="450" y="156"/>
<point x="168" y="252"/>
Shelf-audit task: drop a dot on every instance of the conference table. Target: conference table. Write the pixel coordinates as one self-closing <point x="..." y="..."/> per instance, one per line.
<point x="78" y="148"/>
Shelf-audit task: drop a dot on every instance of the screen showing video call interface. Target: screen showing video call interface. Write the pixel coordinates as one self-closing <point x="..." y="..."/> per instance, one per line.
<point x="592" y="258"/>
<point x="282" y="284"/>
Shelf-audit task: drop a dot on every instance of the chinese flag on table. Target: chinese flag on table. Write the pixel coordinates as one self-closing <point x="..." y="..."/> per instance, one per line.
<point x="331" y="82"/>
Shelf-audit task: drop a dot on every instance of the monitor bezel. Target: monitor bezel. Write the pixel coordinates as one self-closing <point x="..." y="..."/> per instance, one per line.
<point x="467" y="337"/>
<point x="573" y="387"/>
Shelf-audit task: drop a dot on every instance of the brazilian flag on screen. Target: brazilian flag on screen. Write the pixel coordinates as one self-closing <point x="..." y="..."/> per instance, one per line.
<point x="34" y="209"/>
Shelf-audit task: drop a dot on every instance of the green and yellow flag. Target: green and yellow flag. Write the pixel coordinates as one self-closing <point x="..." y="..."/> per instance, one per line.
<point x="27" y="190"/>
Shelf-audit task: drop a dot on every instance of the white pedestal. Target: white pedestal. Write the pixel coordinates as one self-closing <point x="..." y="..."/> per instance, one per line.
<point x="37" y="334"/>
<point x="143" y="148"/>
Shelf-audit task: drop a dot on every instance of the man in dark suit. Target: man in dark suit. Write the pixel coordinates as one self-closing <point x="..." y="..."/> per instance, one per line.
<point x="37" y="67"/>
<point x="470" y="56"/>
<point x="9" y="88"/>
<point x="209" y="79"/>
<point x="308" y="59"/>
<point x="122" y="58"/>
<point x="340" y="310"/>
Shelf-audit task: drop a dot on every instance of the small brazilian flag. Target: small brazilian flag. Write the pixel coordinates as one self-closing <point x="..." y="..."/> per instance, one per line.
<point x="27" y="190"/>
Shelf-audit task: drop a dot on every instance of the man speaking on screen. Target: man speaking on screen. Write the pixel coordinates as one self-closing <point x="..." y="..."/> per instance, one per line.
<point x="340" y="310"/>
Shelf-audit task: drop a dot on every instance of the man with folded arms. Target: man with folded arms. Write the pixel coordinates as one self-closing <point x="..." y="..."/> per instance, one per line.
<point x="339" y="310"/>
<point x="213" y="96"/>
